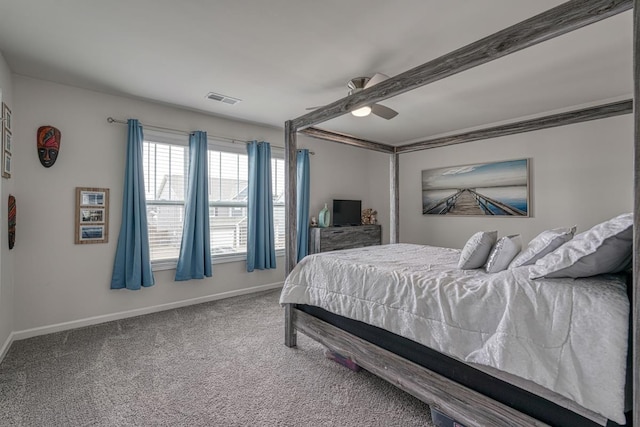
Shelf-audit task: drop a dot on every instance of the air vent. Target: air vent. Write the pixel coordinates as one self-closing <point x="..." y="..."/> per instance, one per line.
<point x="223" y="98"/>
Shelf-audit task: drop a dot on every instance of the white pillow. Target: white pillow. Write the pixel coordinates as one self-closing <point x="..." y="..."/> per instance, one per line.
<point x="476" y="250"/>
<point x="503" y="252"/>
<point x="544" y="243"/>
<point x="605" y="248"/>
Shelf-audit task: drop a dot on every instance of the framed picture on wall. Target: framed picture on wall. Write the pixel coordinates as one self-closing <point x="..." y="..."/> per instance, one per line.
<point x="92" y="215"/>
<point x="93" y="196"/>
<point x="91" y="234"/>
<point x="482" y="189"/>
<point x="7" y="141"/>
<point x="6" y="165"/>
<point x="6" y="115"/>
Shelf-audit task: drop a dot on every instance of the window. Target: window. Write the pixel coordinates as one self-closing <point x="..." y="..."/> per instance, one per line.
<point x="277" y="182"/>
<point x="166" y="164"/>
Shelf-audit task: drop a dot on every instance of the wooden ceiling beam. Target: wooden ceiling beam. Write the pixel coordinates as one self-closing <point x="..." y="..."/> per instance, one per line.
<point x="346" y="139"/>
<point x="560" y="119"/>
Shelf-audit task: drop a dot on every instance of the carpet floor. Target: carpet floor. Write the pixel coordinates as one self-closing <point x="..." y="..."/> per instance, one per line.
<point x="221" y="363"/>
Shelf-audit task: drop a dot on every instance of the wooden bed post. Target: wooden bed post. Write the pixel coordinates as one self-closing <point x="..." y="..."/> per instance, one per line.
<point x="291" y="221"/>
<point x="394" y="203"/>
<point x="635" y="307"/>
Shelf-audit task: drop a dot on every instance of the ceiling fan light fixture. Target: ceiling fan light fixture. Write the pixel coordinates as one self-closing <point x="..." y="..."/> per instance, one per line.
<point x="362" y="112"/>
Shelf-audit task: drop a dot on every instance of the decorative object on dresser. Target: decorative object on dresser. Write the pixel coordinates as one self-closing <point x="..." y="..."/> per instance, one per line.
<point x="336" y="238"/>
<point x="324" y="217"/>
<point x="369" y="216"/>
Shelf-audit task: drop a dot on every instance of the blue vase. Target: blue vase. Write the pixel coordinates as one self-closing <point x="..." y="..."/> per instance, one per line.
<point x="324" y="217"/>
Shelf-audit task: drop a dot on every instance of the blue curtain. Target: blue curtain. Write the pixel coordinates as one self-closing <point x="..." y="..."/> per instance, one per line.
<point x="261" y="247"/>
<point x="302" y="208"/>
<point x="132" y="265"/>
<point x="194" y="261"/>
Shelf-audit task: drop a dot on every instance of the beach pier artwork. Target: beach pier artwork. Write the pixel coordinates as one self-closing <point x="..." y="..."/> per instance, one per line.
<point x="497" y="189"/>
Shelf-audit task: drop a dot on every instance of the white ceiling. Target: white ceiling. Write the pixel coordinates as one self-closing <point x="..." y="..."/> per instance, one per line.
<point x="281" y="56"/>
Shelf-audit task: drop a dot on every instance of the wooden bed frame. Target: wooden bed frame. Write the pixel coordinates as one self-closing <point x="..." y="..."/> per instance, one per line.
<point x="464" y="404"/>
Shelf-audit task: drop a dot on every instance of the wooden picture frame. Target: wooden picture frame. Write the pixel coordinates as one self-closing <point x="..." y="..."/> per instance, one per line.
<point x="7" y="141"/>
<point x="491" y="189"/>
<point x="6" y="164"/>
<point x="6" y="116"/>
<point x="92" y="215"/>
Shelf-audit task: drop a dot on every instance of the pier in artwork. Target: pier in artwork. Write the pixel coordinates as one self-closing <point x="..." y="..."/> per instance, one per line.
<point x="468" y="201"/>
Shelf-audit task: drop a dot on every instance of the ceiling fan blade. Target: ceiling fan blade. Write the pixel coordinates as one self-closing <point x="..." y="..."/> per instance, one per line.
<point x="382" y="111"/>
<point x="377" y="78"/>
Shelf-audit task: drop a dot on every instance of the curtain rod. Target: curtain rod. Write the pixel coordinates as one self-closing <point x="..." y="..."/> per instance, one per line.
<point x="184" y="132"/>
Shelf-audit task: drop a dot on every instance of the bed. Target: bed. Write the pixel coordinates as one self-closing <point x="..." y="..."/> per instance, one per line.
<point x="566" y="338"/>
<point x="455" y="382"/>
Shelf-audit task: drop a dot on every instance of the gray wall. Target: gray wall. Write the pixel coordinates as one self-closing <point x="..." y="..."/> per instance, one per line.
<point x="58" y="282"/>
<point x="6" y="256"/>
<point x="579" y="174"/>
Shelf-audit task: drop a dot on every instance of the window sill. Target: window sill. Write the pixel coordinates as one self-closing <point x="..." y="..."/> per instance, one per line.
<point x="170" y="264"/>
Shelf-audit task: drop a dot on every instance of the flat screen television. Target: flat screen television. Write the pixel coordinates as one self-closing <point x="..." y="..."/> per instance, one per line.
<point x="346" y="212"/>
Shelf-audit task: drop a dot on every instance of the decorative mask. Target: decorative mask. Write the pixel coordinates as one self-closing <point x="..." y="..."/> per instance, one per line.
<point x="12" y="221"/>
<point x="48" y="145"/>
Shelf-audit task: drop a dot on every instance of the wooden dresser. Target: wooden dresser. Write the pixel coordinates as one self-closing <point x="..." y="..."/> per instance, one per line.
<point x="334" y="238"/>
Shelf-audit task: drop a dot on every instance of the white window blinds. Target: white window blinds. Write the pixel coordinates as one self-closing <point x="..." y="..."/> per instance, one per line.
<point x="165" y="170"/>
<point x="166" y="163"/>
<point x="228" y="188"/>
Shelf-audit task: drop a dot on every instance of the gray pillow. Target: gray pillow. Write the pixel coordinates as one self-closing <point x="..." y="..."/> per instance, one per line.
<point x="503" y="252"/>
<point x="544" y="243"/>
<point x="605" y="248"/>
<point x="476" y="250"/>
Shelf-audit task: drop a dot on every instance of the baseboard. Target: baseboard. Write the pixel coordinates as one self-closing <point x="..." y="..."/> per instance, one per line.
<point x="5" y="347"/>
<point x="59" y="327"/>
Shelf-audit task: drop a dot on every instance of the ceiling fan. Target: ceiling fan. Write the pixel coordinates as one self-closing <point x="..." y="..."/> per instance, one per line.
<point x="359" y="83"/>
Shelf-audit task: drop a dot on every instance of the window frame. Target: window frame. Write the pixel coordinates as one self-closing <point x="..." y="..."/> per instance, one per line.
<point x="164" y="137"/>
